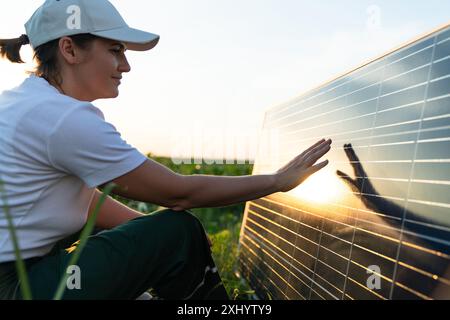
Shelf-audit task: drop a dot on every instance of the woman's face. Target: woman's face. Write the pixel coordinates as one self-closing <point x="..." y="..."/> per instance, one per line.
<point x="101" y="68"/>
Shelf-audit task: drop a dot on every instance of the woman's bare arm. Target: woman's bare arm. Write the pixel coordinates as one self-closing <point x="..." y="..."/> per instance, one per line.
<point x="214" y="191"/>
<point x="154" y="183"/>
<point x="218" y="191"/>
<point x="112" y="213"/>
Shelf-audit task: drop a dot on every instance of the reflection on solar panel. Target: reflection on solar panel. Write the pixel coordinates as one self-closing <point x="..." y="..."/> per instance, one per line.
<point x="374" y="223"/>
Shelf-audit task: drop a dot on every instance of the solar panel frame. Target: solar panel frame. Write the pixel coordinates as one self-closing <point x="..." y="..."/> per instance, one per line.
<point x="395" y="110"/>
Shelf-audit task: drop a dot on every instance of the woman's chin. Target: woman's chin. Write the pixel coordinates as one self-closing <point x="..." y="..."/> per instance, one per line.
<point x="116" y="94"/>
<point x="111" y="95"/>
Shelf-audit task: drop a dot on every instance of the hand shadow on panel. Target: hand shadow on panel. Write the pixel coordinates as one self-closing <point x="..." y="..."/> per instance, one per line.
<point x="437" y="266"/>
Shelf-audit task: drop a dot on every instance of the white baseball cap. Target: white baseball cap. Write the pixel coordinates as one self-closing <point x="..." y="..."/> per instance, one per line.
<point x="58" y="18"/>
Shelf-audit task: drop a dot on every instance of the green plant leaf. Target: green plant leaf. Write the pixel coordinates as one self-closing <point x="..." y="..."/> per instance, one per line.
<point x="83" y="240"/>
<point x="20" y="265"/>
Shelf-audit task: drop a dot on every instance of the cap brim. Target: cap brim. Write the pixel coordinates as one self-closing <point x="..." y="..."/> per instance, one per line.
<point x="135" y="40"/>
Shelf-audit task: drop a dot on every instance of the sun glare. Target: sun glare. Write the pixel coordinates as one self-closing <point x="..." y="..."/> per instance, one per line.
<point x="322" y="187"/>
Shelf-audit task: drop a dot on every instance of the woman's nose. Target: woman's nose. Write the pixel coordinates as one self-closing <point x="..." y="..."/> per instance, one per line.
<point x="124" y="66"/>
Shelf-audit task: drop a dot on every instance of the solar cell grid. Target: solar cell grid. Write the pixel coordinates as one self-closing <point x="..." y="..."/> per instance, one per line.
<point x="382" y="201"/>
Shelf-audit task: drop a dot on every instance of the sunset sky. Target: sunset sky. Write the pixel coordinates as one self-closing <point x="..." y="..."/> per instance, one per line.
<point x="220" y="64"/>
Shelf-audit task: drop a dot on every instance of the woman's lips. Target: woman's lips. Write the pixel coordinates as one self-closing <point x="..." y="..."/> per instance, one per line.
<point x="117" y="79"/>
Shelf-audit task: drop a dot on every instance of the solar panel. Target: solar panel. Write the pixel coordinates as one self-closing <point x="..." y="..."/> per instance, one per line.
<point x="374" y="223"/>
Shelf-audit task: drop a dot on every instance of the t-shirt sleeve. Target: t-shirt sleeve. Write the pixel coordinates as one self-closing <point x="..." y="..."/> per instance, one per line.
<point x="85" y="145"/>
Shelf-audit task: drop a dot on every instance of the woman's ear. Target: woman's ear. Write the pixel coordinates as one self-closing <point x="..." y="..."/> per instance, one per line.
<point x="70" y="53"/>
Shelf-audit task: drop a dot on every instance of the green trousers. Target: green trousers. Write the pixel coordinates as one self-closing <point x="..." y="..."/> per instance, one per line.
<point x="166" y="251"/>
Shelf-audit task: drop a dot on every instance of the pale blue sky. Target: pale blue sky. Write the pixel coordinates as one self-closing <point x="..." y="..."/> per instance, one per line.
<point x="221" y="63"/>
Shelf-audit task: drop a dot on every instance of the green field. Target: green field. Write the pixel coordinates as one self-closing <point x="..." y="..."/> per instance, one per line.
<point x="222" y="224"/>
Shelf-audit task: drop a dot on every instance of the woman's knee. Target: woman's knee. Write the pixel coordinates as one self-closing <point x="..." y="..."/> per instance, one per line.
<point x="168" y="221"/>
<point x="183" y="217"/>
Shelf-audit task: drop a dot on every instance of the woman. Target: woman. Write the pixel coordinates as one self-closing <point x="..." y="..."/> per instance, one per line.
<point x="56" y="148"/>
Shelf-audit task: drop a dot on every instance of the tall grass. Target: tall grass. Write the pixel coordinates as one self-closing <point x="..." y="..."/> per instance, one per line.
<point x="87" y="230"/>
<point x="222" y="224"/>
<point x="20" y="265"/>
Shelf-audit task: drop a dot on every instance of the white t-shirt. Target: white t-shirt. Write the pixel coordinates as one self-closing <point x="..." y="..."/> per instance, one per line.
<point x="54" y="152"/>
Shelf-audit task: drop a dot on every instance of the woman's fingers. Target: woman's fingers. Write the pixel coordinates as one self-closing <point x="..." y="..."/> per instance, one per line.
<point x="318" y="152"/>
<point x="317" y="167"/>
<point x="312" y="147"/>
<point x="301" y="167"/>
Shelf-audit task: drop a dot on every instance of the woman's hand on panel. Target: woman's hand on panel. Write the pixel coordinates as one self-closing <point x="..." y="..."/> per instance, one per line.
<point x="302" y="166"/>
